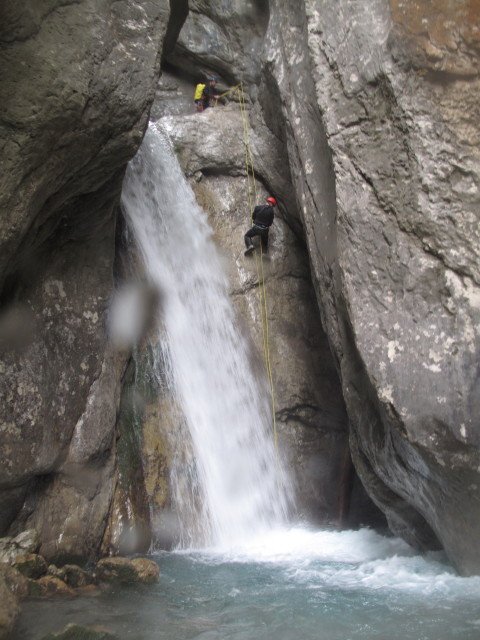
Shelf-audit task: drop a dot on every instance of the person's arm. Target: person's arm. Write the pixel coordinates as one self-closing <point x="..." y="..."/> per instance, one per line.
<point x="209" y="92"/>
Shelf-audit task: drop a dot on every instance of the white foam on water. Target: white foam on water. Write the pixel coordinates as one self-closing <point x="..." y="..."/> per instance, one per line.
<point x="349" y="560"/>
<point x="299" y="545"/>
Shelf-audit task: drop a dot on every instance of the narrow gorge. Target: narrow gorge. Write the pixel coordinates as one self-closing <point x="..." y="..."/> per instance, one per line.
<point x="160" y="389"/>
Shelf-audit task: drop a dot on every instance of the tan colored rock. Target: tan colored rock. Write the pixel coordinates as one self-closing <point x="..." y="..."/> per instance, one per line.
<point x="74" y="576"/>
<point x="9" y="608"/>
<point x="35" y="589"/>
<point x="147" y="570"/>
<point x="16" y="582"/>
<point x="31" y="565"/>
<point x="127" y="571"/>
<point x="447" y="33"/>
<point x="53" y="586"/>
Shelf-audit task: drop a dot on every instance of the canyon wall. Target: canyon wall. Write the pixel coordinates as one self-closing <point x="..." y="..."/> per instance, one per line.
<point x="376" y="110"/>
<point x="364" y="122"/>
<point x="77" y="82"/>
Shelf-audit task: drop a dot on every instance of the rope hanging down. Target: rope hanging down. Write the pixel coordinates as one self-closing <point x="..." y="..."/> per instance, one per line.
<point x="262" y="292"/>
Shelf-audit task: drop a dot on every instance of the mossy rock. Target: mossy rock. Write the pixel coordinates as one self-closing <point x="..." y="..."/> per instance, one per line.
<point x="31" y="565"/>
<point x="35" y="590"/>
<point x="53" y="586"/>
<point x="71" y="574"/>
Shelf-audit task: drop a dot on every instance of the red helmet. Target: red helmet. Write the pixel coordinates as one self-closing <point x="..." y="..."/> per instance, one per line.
<point x="272" y="200"/>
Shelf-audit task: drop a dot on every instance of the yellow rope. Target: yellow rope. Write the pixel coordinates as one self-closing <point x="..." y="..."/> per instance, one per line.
<point x="228" y="91"/>
<point x="262" y="292"/>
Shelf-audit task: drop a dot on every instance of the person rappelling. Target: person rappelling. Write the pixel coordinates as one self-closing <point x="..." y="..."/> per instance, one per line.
<point x="262" y="218"/>
<point x="205" y="93"/>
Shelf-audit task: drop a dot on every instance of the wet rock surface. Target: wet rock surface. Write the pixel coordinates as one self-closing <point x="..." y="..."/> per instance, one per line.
<point x="364" y="125"/>
<point x="310" y="415"/>
<point x="77" y="632"/>
<point x="377" y="113"/>
<point x="31" y="565"/>
<point x="127" y="571"/>
<point x="9" y="607"/>
<point x="77" y="83"/>
<point x="26" y="542"/>
<point x="392" y="242"/>
<point x="28" y="577"/>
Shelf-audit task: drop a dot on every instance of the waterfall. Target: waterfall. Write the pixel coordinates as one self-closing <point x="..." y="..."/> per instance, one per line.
<point x="242" y="487"/>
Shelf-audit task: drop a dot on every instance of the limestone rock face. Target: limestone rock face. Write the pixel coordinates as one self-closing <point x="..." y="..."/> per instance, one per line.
<point x="364" y="124"/>
<point x="77" y="81"/>
<point x="388" y="186"/>
<point x="374" y="108"/>
<point x="222" y="37"/>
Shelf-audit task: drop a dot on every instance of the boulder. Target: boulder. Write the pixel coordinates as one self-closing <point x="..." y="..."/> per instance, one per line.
<point x="25" y="542"/>
<point x="9" y="550"/>
<point x="72" y="575"/>
<point x="127" y="570"/>
<point x="53" y="586"/>
<point x="16" y="581"/>
<point x="9" y="607"/>
<point x="31" y="565"/>
<point x="28" y="540"/>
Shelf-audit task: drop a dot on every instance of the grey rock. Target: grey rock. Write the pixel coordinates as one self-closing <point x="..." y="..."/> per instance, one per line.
<point x="310" y="414"/>
<point x="386" y="171"/>
<point x="28" y="540"/>
<point x="224" y="38"/>
<point x="364" y="123"/>
<point x="77" y="83"/>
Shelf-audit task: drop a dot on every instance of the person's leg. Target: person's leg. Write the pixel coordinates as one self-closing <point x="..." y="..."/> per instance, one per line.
<point x="248" y="237"/>
<point x="264" y="237"/>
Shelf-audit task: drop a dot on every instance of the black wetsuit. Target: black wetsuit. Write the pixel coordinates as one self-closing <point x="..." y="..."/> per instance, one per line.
<point x="262" y="217"/>
<point x="209" y="93"/>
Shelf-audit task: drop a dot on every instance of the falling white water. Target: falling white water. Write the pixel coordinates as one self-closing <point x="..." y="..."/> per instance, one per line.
<point x="243" y="489"/>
